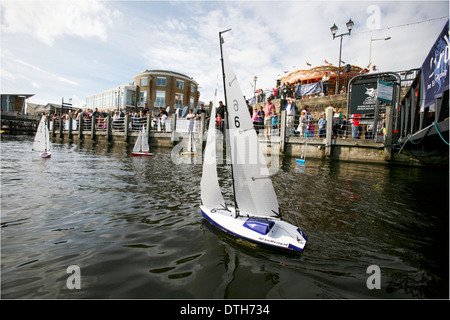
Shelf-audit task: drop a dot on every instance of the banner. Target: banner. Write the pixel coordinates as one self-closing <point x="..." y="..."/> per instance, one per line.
<point x="435" y="69"/>
<point x="310" y="88"/>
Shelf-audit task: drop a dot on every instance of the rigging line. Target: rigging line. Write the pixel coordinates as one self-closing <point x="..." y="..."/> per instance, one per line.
<point x="437" y="129"/>
<point x="402" y="25"/>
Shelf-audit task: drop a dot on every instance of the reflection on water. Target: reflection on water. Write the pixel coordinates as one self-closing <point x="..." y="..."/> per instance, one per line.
<point x="134" y="228"/>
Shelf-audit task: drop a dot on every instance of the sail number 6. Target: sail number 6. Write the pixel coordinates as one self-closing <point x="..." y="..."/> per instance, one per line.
<point x="237" y="123"/>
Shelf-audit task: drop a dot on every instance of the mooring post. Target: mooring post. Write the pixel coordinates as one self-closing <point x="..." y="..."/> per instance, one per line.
<point x="147" y="129"/>
<point x="69" y="132"/>
<point x="125" y="124"/>
<point x="283" y="131"/>
<point x="61" y="127"/>
<point x="93" y="121"/>
<point x="388" y="133"/>
<point x="108" y="127"/>
<point x="174" y="129"/>
<point x="80" y="127"/>
<point x="329" y="133"/>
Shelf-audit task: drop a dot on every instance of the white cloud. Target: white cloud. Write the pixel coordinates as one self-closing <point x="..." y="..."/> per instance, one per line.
<point x="48" y="20"/>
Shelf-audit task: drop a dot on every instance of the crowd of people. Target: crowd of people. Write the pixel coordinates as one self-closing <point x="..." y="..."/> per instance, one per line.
<point x="302" y="123"/>
<point x="137" y="119"/>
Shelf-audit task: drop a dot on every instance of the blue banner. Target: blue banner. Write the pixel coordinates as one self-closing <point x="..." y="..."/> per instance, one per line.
<point x="435" y="69"/>
<point x="310" y="88"/>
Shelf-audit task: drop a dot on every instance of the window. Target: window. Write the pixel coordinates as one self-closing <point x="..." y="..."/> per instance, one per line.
<point x="179" y="84"/>
<point x="160" y="99"/>
<point x="178" y="100"/>
<point x="161" y="81"/>
<point x="191" y="102"/>
<point x="144" y="82"/>
<point x="192" y="88"/>
<point x="142" y="98"/>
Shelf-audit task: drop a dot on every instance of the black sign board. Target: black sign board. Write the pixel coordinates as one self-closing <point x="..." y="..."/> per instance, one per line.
<point x="364" y="98"/>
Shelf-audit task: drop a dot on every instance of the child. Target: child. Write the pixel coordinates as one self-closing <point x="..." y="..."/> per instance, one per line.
<point x="274" y="117"/>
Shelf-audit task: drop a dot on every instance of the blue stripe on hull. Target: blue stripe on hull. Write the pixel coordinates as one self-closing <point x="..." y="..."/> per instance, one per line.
<point x="289" y="248"/>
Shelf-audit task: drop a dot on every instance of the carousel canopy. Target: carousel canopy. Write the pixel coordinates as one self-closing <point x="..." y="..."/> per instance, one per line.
<point x="316" y="74"/>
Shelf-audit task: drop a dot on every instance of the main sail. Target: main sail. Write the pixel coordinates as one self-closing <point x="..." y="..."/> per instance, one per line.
<point x="254" y="193"/>
<point x="42" y="139"/>
<point x="138" y="144"/>
<point x="209" y="185"/>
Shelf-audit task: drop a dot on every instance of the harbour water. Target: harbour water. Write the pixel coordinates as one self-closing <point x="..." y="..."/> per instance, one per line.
<point x="134" y="229"/>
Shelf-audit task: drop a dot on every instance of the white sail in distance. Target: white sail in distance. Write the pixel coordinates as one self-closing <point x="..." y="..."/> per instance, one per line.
<point x="145" y="147"/>
<point x="141" y="144"/>
<point x="210" y="190"/>
<point x="254" y="193"/>
<point x="42" y="138"/>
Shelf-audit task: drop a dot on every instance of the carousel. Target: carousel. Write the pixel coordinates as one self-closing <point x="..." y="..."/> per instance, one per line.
<point x="316" y="75"/>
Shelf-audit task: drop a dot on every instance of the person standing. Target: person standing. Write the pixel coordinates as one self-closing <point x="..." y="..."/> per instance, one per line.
<point x="221" y="114"/>
<point x="290" y="115"/>
<point x="267" y="115"/>
<point x="322" y="125"/>
<point x="326" y="83"/>
<point x="274" y="119"/>
<point x="190" y="117"/>
<point x="355" y="126"/>
<point x="260" y="119"/>
<point x="303" y="124"/>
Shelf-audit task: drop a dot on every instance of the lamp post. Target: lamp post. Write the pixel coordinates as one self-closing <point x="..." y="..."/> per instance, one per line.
<point x="334" y="29"/>
<point x="255" y="78"/>
<point x="118" y="94"/>
<point x="370" y="48"/>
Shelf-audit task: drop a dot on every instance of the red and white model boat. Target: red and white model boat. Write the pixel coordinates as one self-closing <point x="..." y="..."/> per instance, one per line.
<point x="141" y="147"/>
<point x="42" y="139"/>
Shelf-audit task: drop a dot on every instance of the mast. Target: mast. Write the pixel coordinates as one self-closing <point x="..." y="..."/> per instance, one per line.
<point x="228" y="120"/>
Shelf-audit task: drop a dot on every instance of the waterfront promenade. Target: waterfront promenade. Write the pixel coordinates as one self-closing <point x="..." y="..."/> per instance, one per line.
<point x="337" y="145"/>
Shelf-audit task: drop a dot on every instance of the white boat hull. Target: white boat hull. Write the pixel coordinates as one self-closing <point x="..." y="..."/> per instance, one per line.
<point x="273" y="233"/>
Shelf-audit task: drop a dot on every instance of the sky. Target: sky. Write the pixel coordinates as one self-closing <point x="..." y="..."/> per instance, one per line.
<point x="73" y="49"/>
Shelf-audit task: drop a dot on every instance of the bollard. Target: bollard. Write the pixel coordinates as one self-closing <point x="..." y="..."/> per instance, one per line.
<point x="93" y="121"/>
<point x="174" y="136"/>
<point x="126" y="123"/>
<point x="108" y="128"/>
<point x="80" y="127"/>
<point x="61" y="127"/>
<point x="283" y="131"/>
<point x="69" y="133"/>
<point x="329" y="133"/>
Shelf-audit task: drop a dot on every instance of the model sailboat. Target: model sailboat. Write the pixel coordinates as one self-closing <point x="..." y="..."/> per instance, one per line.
<point x="141" y="147"/>
<point x="42" y="139"/>
<point x="255" y="216"/>
<point x="191" y="149"/>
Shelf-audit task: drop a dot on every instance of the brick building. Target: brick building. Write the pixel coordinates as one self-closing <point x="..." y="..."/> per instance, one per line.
<point x="162" y="88"/>
<point x="157" y="88"/>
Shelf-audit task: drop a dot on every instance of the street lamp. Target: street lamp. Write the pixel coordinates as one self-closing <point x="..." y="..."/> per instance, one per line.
<point x="370" y="49"/>
<point x="255" y="78"/>
<point x="334" y="30"/>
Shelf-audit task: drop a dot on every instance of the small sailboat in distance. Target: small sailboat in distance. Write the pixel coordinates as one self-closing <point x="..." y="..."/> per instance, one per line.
<point x="141" y="147"/>
<point x="42" y="139"/>
<point x="302" y="159"/>
<point x="255" y="216"/>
